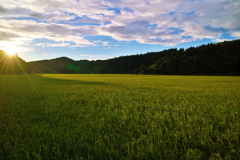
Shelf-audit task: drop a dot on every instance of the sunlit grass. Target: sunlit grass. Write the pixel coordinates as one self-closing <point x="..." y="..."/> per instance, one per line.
<point x="119" y="117"/>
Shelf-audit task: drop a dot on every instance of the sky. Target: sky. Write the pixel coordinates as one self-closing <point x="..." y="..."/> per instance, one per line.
<point x="103" y="29"/>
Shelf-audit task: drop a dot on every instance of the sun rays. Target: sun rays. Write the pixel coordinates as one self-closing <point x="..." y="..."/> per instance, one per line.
<point x="11" y="50"/>
<point x="10" y="63"/>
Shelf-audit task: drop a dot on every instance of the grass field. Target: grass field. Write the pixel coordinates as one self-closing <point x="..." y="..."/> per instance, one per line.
<point x="74" y="117"/>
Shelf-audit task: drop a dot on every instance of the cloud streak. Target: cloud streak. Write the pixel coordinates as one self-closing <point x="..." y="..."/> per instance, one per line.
<point x="53" y="44"/>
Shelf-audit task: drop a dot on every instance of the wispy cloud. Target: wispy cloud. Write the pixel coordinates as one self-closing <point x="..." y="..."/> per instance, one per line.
<point x="220" y="40"/>
<point x="107" y="43"/>
<point x="53" y="44"/>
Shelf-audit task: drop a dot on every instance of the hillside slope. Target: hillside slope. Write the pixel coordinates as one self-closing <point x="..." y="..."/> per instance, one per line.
<point x="12" y="64"/>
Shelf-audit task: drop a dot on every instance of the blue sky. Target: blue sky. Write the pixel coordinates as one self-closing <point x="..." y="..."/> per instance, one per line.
<point x="102" y="29"/>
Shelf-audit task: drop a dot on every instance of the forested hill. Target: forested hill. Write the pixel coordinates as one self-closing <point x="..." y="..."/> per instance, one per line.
<point x="12" y="64"/>
<point x="219" y="58"/>
<point x="64" y="65"/>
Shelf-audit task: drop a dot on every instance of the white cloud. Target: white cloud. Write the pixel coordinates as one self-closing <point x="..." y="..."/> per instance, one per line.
<point x="197" y="31"/>
<point x="5" y="36"/>
<point x="220" y="40"/>
<point x="53" y="44"/>
<point x="33" y="30"/>
<point x="146" y="21"/>
<point x="55" y="16"/>
<point x="107" y="44"/>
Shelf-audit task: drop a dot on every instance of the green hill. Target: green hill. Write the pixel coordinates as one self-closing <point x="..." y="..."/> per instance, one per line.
<point x="64" y="65"/>
<point x="12" y="64"/>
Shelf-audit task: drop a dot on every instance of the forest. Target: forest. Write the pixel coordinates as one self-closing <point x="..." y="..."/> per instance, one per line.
<point x="211" y="59"/>
<point x="220" y="58"/>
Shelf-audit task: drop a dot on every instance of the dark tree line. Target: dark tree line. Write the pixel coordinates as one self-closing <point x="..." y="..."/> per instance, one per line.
<point x="220" y="58"/>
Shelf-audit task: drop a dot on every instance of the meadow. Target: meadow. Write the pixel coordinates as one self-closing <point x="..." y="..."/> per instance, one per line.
<point x="77" y="116"/>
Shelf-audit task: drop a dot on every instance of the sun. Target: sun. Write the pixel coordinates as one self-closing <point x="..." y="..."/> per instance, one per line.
<point x="11" y="50"/>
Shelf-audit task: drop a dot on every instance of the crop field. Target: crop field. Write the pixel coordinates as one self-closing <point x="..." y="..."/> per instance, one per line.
<point x="75" y="117"/>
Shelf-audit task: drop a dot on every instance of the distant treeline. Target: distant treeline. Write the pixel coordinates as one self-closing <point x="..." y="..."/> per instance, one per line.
<point x="220" y="58"/>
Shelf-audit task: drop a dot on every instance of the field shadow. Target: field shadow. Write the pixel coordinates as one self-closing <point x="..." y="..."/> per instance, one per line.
<point x="67" y="81"/>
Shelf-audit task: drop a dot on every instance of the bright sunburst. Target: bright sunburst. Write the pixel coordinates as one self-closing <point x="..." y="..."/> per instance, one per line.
<point x="11" y="50"/>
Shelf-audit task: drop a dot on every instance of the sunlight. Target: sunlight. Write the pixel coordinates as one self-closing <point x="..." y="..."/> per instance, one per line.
<point x="11" y="50"/>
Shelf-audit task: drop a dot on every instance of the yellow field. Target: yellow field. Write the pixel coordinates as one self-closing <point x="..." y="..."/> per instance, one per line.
<point x="59" y="116"/>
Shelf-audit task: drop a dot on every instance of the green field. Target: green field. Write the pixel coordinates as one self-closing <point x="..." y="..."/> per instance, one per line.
<point x="74" y="117"/>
